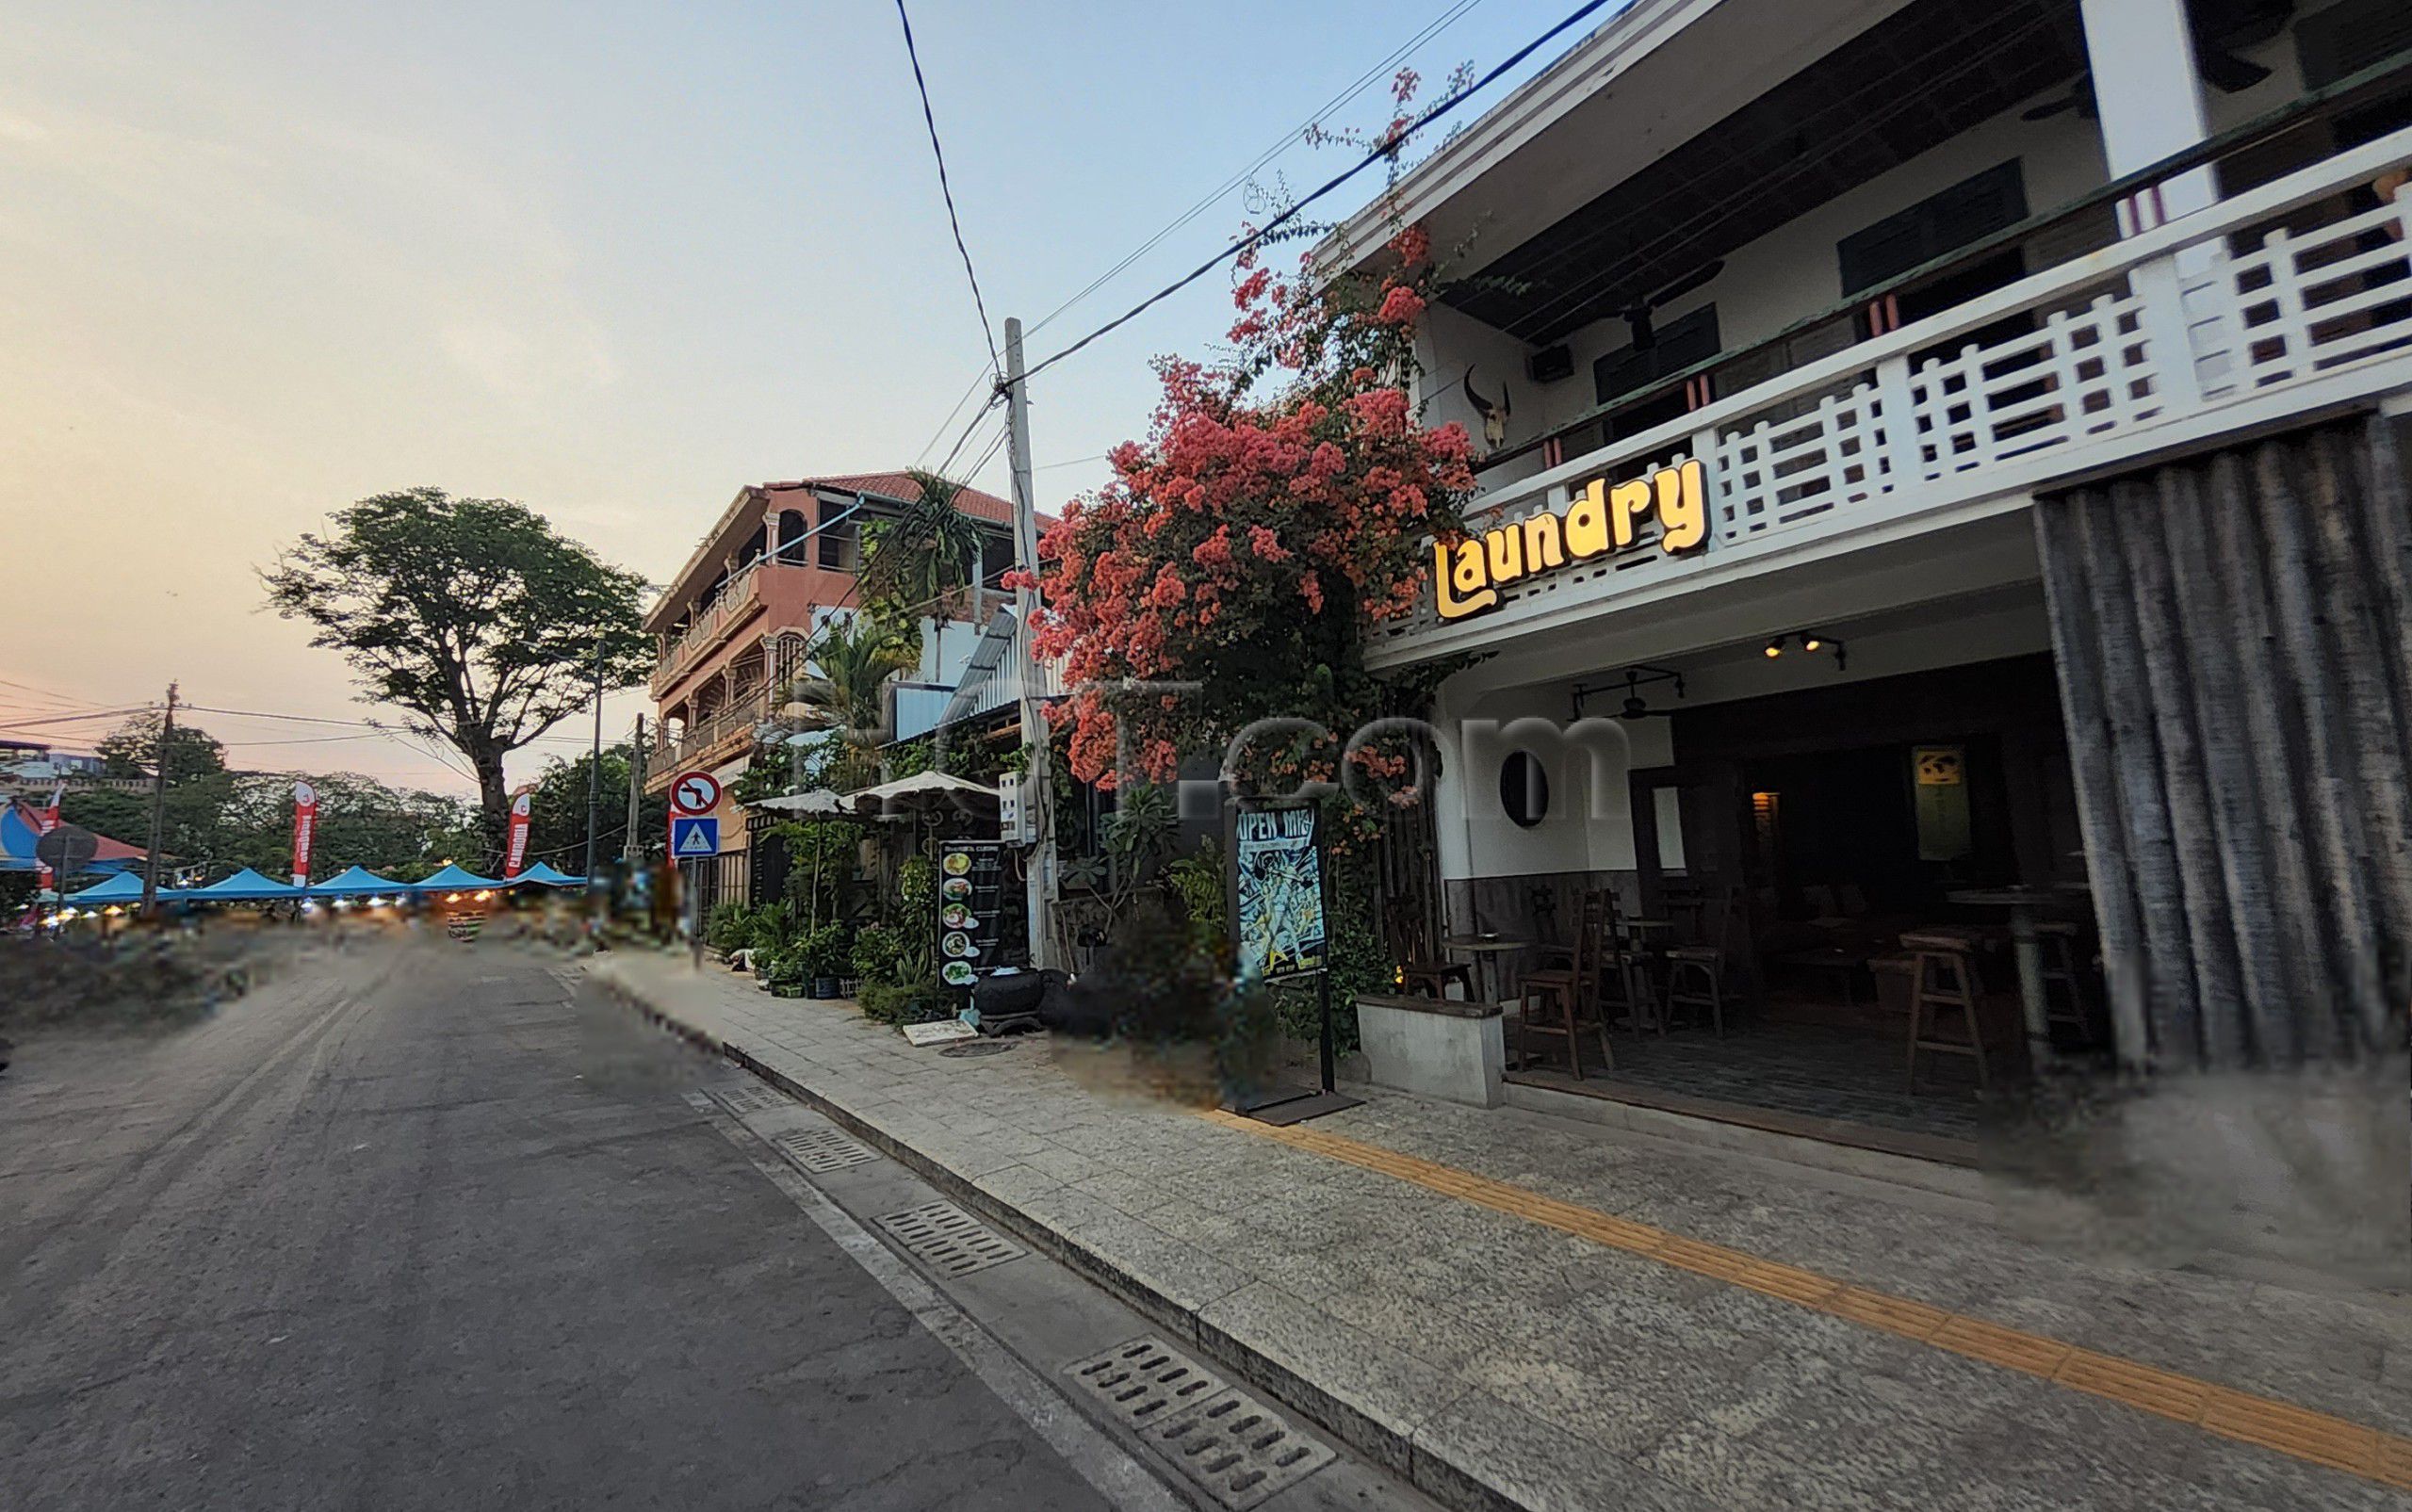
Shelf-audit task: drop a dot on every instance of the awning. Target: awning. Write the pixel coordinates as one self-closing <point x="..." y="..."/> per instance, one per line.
<point x="244" y="887"/>
<point x="543" y="873"/>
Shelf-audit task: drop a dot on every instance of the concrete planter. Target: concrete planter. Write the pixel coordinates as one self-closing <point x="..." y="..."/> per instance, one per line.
<point x="1434" y="1048"/>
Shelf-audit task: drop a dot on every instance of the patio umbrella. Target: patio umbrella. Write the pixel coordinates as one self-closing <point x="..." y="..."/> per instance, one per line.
<point x="820" y="802"/>
<point x="923" y="792"/>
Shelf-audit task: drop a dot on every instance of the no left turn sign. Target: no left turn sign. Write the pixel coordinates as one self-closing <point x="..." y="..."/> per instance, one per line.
<point x="694" y="792"/>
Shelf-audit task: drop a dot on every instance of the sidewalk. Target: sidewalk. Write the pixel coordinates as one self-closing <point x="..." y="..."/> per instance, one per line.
<point x="1513" y="1309"/>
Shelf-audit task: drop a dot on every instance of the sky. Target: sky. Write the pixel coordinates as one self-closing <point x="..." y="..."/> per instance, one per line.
<point x="612" y="260"/>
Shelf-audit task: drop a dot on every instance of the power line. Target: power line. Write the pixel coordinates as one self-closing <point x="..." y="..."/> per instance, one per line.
<point x="1386" y="148"/>
<point x="946" y="189"/>
<point x="57" y="699"/>
<point x="73" y="719"/>
<point x="1287" y="139"/>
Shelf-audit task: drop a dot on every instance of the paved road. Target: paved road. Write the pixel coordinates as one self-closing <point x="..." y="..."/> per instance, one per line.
<point x="413" y="1226"/>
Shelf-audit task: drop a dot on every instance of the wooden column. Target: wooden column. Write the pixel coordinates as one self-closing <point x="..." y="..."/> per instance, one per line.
<point x="2236" y="678"/>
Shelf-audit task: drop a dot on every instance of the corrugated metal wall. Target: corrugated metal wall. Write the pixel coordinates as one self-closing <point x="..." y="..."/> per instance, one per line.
<point x="2234" y="634"/>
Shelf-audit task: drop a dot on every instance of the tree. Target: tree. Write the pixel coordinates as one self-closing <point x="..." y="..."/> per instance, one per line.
<point x="472" y="617"/>
<point x="850" y="662"/>
<point x="192" y="809"/>
<point x="1283" y="503"/>
<point x="920" y="560"/>
<point x="557" y="811"/>
<point x="132" y="750"/>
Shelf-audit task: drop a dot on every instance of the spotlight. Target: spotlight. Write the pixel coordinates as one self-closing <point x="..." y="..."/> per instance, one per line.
<point x="1810" y="643"/>
<point x="1775" y="648"/>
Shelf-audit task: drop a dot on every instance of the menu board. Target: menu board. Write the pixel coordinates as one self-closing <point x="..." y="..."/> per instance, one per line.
<point x="1277" y="856"/>
<point x="972" y="879"/>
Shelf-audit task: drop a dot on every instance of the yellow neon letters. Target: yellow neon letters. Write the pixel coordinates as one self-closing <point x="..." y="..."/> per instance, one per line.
<point x="1467" y="578"/>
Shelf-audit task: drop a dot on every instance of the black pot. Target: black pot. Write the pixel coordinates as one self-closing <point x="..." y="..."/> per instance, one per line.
<point x="824" y="987"/>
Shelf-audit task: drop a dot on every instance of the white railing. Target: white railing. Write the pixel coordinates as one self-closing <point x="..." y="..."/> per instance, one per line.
<point x="2256" y="311"/>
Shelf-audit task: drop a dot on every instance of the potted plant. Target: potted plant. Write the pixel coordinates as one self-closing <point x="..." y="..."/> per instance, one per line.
<point x="787" y="974"/>
<point x="823" y="955"/>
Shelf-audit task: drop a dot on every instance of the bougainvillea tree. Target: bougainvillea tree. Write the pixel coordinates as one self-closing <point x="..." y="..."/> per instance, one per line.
<point x="1280" y="506"/>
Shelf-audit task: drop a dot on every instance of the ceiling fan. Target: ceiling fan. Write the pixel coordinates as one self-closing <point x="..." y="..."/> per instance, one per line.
<point x="2220" y="28"/>
<point x="1633" y="705"/>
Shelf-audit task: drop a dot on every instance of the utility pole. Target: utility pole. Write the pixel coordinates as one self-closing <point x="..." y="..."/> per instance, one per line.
<point x="595" y="763"/>
<point x="1038" y="802"/>
<point x="158" y="808"/>
<point x="636" y="793"/>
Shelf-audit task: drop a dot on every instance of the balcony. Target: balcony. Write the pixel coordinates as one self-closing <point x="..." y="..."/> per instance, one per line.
<point x="2270" y="307"/>
<point x="711" y="621"/>
<point x="708" y="741"/>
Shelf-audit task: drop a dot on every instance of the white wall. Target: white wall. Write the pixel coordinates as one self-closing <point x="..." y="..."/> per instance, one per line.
<point x="1587" y="825"/>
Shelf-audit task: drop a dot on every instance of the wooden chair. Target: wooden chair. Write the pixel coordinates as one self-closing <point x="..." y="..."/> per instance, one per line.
<point x="1696" y="973"/>
<point x="1562" y="1001"/>
<point x="1944" y="980"/>
<point x="1417" y="971"/>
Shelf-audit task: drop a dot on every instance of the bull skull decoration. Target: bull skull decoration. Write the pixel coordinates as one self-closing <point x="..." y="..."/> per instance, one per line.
<point x="1494" y="417"/>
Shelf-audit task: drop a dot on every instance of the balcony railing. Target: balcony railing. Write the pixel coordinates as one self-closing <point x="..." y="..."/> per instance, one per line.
<point x="2272" y="302"/>
<point x="705" y="741"/>
<point x="703" y="632"/>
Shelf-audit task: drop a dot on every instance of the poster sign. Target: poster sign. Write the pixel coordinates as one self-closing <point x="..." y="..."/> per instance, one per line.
<point x="1277" y="894"/>
<point x="1941" y="772"/>
<point x="515" y="851"/>
<point x="972" y="879"/>
<point x="305" y="830"/>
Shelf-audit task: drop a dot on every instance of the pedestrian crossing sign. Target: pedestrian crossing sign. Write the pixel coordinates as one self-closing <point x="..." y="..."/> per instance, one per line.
<point x="690" y="838"/>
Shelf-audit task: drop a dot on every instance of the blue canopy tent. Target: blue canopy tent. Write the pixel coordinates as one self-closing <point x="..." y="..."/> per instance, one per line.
<point x="244" y="887"/>
<point x="356" y="882"/>
<point x="455" y="879"/>
<point x="125" y="887"/>
<point x="545" y="873"/>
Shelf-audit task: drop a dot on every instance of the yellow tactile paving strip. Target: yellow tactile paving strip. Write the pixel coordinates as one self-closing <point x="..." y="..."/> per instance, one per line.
<point x="2306" y="1434"/>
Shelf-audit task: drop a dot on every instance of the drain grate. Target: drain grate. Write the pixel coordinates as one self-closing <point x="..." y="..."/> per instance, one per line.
<point x="1240" y="1449"/>
<point x="821" y="1149"/>
<point x="751" y="1096"/>
<point x="977" y="1047"/>
<point x="950" y="1239"/>
<point x="1230" y="1442"/>
<point x="1144" y="1381"/>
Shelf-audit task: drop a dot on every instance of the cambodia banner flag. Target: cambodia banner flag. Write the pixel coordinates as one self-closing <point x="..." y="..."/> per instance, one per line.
<point x="305" y="830"/>
<point x="515" y="852"/>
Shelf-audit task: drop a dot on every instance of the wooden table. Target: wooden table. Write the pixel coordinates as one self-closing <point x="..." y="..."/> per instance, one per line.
<point x="1489" y="953"/>
<point x="2027" y="906"/>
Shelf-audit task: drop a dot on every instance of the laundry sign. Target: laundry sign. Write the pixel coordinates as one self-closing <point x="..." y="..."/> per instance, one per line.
<point x="1602" y="518"/>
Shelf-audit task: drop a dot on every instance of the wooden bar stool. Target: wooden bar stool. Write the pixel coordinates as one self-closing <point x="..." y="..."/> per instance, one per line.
<point x="1944" y="979"/>
<point x="2072" y="1003"/>
<point x="1564" y="1001"/>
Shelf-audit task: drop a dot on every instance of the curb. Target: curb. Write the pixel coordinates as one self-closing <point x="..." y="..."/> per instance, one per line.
<point x="1452" y="1485"/>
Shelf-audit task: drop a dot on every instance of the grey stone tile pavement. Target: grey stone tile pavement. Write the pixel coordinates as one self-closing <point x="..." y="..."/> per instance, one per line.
<point x="1502" y="1362"/>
